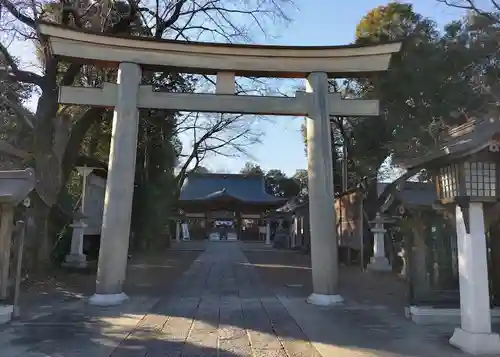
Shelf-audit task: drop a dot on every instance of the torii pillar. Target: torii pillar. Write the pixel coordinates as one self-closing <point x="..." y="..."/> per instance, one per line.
<point x="113" y="252"/>
<point x="324" y="244"/>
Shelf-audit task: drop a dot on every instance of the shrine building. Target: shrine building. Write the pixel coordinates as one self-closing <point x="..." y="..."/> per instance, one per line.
<point x="224" y="207"/>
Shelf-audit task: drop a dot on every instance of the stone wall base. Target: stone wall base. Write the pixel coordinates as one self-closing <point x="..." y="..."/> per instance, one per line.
<point x="428" y="315"/>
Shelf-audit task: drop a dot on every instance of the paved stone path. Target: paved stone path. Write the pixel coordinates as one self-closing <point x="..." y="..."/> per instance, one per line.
<point x="221" y="308"/>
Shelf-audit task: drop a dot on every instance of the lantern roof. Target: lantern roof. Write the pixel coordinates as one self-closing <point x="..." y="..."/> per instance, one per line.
<point x="419" y="194"/>
<point x="461" y="141"/>
<point x="100" y="167"/>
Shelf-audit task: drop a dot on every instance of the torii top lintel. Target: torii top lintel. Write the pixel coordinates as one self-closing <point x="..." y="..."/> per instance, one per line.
<point x="213" y="58"/>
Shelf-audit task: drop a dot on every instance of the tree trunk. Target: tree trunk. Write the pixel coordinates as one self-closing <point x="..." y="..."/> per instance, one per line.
<point x="47" y="167"/>
<point x="39" y="249"/>
<point x="56" y="150"/>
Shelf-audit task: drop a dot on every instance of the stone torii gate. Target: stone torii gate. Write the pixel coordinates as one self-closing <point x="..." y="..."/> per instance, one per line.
<point x="226" y="61"/>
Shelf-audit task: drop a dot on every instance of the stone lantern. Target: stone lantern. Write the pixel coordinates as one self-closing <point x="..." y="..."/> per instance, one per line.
<point x="76" y="258"/>
<point x="465" y="170"/>
<point x="379" y="262"/>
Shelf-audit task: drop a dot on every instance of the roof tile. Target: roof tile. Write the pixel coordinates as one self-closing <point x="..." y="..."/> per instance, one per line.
<point x="208" y="186"/>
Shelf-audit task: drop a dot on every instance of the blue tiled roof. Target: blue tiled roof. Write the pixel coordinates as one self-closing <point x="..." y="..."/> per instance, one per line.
<point x="202" y="187"/>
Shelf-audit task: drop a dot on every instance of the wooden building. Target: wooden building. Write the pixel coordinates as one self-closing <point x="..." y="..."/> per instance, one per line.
<point x="225" y="206"/>
<point x="421" y="245"/>
<point x="349" y="224"/>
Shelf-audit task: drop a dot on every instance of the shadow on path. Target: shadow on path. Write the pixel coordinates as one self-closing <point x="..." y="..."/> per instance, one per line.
<point x="221" y="306"/>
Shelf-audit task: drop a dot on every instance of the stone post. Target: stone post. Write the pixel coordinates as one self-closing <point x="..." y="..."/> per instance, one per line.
<point x="268" y="233"/>
<point x="475" y="335"/>
<point x="76" y="258"/>
<point x="379" y="262"/>
<point x="294" y="231"/>
<point x="324" y="243"/>
<point x="185" y="231"/>
<point x="115" y="231"/>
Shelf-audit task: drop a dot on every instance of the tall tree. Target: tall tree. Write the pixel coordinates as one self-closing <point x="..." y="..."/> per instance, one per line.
<point x="57" y="138"/>
<point x="16" y="121"/>
<point x="278" y="184"/>
<point x="252" y="169"/>
<point x="428" y="82"/>
<point x="487" y="10"/>
<point x="302" y="179"/>
<point x="479" y="30"/>
<point x="201" y="170"/>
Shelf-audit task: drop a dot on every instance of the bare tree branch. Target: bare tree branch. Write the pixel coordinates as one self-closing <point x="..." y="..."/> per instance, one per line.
<point x="214" y="134"/>
<point x="18" y="14"/>
<point x="471" y="5"/>
<point x="13" y="70"/>
<point x="164" y="24"/>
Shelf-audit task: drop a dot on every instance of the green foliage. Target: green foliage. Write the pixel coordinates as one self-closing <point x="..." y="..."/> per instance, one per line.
<point x="302" y="179"/>
<point x="407" y="92"/>
<point x="157" y="153"/>
<point x="201" y="170"/>
<point x="156" y="202"/>
<point x="437" y="81"/>
<point x="252" y="169"/>
<point x="277" y="182"/>
<point x="390" y="22"/>
<point x="429" y="87"/>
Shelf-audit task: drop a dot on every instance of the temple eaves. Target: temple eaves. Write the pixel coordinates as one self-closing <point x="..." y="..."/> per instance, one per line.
<point x="212" y="186"/>
<point x="463" y="140"/>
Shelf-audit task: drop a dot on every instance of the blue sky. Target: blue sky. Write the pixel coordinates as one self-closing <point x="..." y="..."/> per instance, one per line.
<point x="316" y="22"/>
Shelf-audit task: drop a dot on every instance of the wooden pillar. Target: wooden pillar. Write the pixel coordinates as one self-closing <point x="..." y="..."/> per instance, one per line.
<point x="6" y="227"/>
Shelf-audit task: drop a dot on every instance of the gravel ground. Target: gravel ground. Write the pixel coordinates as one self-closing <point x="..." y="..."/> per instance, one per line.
<point x="148" y="274"/>
<point x="291" y="272"/>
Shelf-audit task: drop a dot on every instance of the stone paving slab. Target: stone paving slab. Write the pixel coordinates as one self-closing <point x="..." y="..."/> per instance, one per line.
<point x="350" y="330"/>
<point x="83" y="330"/>
<point x="218" y="310"/>
<point x="221" y="307"/>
